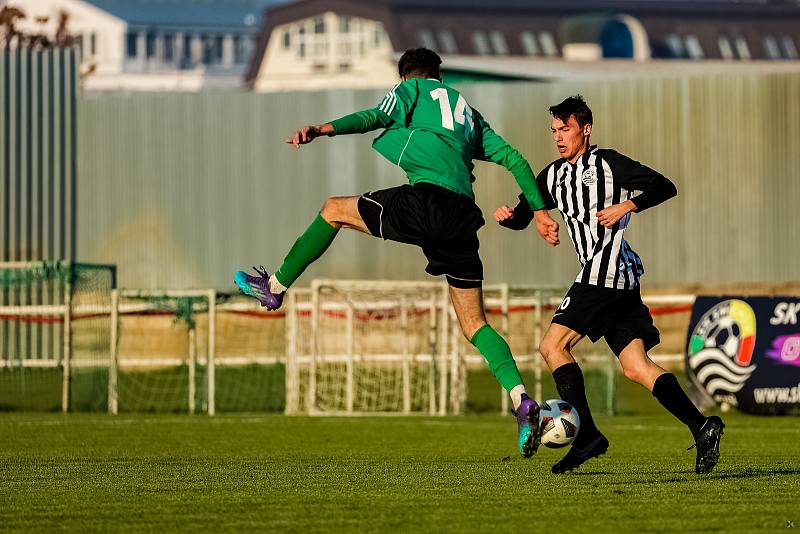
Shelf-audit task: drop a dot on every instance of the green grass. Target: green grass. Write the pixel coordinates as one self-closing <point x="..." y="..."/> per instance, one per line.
<point x="90" y="472"/>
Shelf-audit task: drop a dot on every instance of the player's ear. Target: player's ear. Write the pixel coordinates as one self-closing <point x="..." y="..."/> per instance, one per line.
<point x="587" y="130"/>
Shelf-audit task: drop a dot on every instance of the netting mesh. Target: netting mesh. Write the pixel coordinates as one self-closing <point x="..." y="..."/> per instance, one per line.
<point x="37" y="299"/>
<point x="372" y="348"/>
<point x="163" y="354"/>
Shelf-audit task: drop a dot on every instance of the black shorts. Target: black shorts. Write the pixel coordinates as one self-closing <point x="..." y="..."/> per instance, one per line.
<point x="619" y="315"/>
<point x="443" y="223"/>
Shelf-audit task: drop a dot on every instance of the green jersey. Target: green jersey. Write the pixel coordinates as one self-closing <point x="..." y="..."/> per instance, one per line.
<point x="434" y="135"/>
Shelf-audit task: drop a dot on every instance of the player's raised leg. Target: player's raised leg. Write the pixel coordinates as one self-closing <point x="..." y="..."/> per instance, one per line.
<point x="707" y="431"/>
<point x="468" y="304"/>
<point x="336" y="213"/>
<point x="556" y="349"/>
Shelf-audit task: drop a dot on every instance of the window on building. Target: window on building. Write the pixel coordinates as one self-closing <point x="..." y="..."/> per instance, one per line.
<point x="344" y="24"/>
<point x="448" y="42"/>
<point x="378" y="35"/>
<point x="319" y="25"/>
<point x="548" y="43"/>
<point x="725" y="48"/>
<point x="481" y="43"/>
<point x="301" y="47"/>
<point x="498" y="42"/>
<point x="789" y="48"/>
<point x="528" y="42"/>
<point x="169" y="47"/>
<point x="130" y="44"/>
<point x="186" y="61"/>
<point x="742" y="48"/>
<point x="426" y="39"/>
<point x="693" y="47"/>
<point x="771" y="46"/>
<point x="287" y="40"/>
<point x="150" y="45"/>
<point x="93" y="44"/>
<point x="675" y="44"/>
<point x="212" y="49"/>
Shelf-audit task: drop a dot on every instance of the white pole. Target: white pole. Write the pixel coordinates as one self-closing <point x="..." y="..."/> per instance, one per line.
<point x="311" y="400"/>
<point x="67" y="362"/>
<point x="432" y="345"/>
<point x="442" y="341"/>
<point x="350" y="350"/>
<point x="212" y="351"/>
<point x="291" y="381"/>
<point x="192" y="364"/>
<point x="406" y="356"/>
<point x="505" y="329"/>
<point x="113" y="367"/>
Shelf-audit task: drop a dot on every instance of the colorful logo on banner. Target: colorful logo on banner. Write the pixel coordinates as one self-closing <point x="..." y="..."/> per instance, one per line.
<point x="786" y="349"/>
<point x="721" y="347"/>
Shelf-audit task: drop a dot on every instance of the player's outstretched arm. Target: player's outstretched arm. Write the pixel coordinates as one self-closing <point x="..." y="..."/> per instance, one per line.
<point x="519" y="217"/>
<point x="306" y="134"/>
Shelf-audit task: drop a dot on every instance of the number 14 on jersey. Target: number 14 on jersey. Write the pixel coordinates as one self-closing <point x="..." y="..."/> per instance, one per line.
<point x="461" y="115"/>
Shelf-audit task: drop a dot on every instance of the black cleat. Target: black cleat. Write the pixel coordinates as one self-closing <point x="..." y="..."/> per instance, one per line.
<point x="707" y="443"/>
<point x="577" y="456"/>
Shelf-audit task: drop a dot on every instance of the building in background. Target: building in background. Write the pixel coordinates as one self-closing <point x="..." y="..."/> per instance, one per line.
<point x="321" y="44"/>
<point x="156" y="45"/>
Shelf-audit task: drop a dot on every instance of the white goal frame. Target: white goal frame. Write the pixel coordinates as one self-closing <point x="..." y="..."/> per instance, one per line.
<point x="441" y="359"/>
<point x="192" y="359"/>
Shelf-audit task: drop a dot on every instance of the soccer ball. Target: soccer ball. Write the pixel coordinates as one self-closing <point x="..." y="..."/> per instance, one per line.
<point x="560" y="423"/>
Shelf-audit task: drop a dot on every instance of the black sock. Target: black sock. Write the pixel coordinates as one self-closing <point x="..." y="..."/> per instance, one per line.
<point x="670" y="394"/>
<point x="569" y="382"/>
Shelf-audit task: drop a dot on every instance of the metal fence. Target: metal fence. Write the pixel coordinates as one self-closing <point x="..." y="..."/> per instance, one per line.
<point x="181" y="190"/>
<point x="38" y="131"/>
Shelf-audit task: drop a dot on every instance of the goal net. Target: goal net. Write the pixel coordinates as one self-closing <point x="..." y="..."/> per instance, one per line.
<point x="370" y="347"/>
<point x="54" y="335"/>
<point x="521" y="314"/>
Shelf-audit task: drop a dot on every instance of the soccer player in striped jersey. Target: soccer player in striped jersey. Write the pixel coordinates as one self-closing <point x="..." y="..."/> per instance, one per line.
<point x="594" y="189"/>
<point x="433" y="134"/>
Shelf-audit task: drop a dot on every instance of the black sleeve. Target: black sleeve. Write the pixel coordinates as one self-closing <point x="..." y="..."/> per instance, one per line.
<point x="634" y="176"/>
<point x="523" y="215"/>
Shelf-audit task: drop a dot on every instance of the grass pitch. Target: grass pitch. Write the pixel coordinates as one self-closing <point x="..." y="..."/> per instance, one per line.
<point x="275" y="473"/>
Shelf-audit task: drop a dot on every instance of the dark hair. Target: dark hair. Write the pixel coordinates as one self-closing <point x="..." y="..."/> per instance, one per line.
<point x="420" y="61"/>
<point x="574" y="105"/>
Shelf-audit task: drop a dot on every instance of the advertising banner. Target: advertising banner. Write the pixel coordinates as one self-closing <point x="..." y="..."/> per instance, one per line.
<point x="745" y="352"/>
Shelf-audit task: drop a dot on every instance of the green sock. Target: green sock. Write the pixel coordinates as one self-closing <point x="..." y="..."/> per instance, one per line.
<point x="305" y="251"/>
<point x="498" y="355"/>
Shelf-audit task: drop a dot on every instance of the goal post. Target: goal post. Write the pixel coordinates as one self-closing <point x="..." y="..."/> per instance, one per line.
<point x="156" y="357"/>
<point x="54" y="334"/>
<point x="372" y="347"/>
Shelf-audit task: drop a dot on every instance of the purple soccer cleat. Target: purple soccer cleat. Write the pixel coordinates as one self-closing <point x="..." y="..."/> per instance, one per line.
<point x="258" y="288"/>
<point x="530" y="431"/>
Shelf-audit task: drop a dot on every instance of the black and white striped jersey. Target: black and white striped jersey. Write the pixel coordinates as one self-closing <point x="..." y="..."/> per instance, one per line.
<point x="598" y="179"/>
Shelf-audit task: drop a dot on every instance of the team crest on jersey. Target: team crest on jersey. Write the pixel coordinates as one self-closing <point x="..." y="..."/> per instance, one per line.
<point x="589" y="177"/>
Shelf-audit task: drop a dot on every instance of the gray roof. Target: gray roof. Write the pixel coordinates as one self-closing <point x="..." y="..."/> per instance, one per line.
<point x="243" y="15"/>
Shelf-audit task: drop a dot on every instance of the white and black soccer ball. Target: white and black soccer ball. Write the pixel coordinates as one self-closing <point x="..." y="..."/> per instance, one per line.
<point x="560" y="423"/>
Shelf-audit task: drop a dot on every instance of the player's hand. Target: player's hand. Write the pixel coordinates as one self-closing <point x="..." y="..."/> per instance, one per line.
<point x="547" y="227"/>
<point x="612" y="214"/>
<point x="503" y="213"/>
<point x="304" y="135"/>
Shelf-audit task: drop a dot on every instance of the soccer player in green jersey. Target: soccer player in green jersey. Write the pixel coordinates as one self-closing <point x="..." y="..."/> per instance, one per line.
<point x="432" y="133"/>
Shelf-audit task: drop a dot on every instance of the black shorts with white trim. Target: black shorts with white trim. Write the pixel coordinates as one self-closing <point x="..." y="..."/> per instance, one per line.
<point x="444" y="224"/>
<point x="618" y="315"/>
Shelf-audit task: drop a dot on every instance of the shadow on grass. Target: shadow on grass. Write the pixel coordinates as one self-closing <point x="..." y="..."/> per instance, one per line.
<point x="689" y="476"/>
